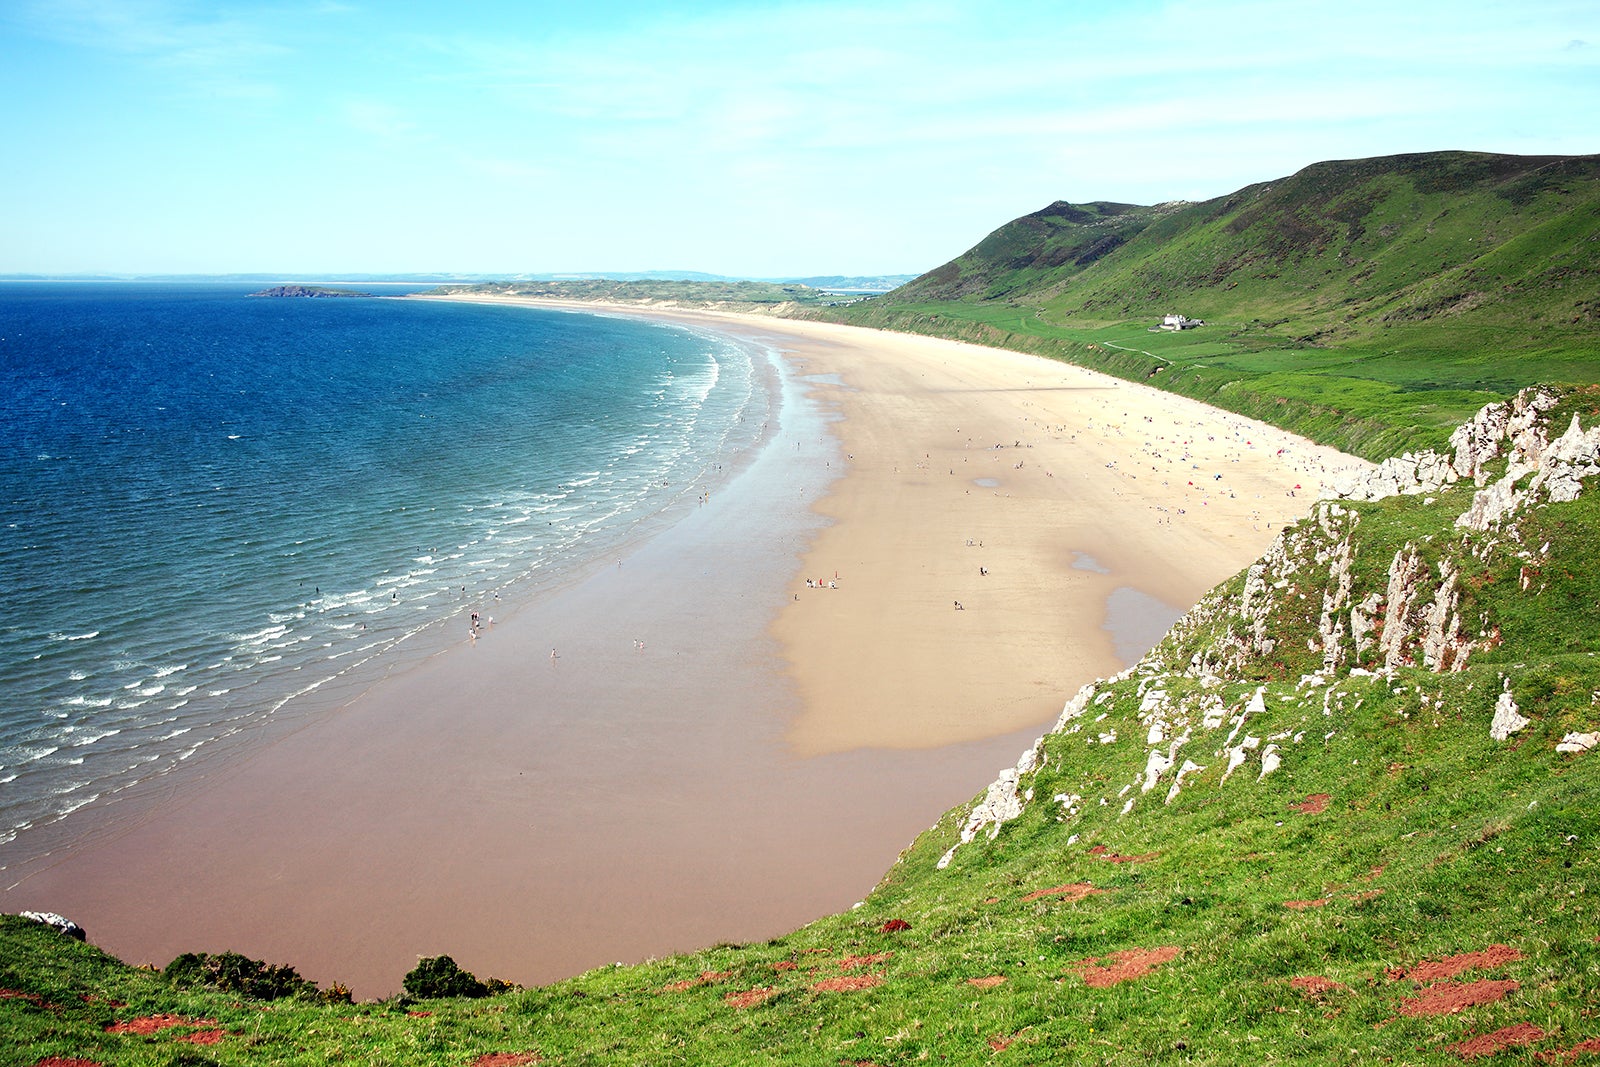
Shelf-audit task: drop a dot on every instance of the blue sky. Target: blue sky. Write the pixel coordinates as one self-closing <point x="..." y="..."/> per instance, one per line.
<point x="761" y="139"/>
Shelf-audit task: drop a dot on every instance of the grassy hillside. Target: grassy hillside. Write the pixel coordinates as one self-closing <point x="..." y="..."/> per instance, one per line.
<point x="1287" y="834"/>
<point x="1372" y="304"/>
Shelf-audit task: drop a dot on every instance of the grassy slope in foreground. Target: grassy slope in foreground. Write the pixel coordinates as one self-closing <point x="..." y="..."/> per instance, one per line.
<point x="1370" y="304"/>
<point x="1349" y="867"/>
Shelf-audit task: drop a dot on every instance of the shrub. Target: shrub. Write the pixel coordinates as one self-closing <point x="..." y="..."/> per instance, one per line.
<point x="441" y="976"/>
<point x="231" y="972"/>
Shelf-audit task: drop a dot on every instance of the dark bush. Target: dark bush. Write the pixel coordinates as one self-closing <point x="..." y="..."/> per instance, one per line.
<point x="231" y="972"/>
<point x="440" y="976"/>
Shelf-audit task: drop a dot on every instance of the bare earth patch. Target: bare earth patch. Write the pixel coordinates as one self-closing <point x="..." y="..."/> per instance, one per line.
<point x="204" y="1037"/>
<point x="704" y="978"/>
<point x="750" y="997"/>
<point x="988" y="982"/>
<point x="1302" y="905"/>
<point x="150" y="1024"/>
<point x="894" y="926"/>
<point x="507" y="1059"/>
<point x="1450" y="966"/>
<point x="850" y="963"/>
<point x="1124" y="966"/>
<point x="66" y="1061"/>
<point x="1073" y="893"/>
<point x="850" y="983"/>
<point x="1315" y="804"/>
<point x="1505" y="1037"/>
<point x="1590" y="1047"/>
<point x="1447" y="998"/>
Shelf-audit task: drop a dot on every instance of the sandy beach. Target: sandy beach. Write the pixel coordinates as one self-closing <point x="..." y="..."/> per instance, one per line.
<point x="734" y="728"/>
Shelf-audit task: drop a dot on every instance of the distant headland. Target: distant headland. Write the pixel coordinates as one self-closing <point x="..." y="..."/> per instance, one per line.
<point x="309" y="291"/>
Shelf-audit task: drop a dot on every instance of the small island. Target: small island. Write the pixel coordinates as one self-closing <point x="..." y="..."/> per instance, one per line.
<point x="309" y="291"/>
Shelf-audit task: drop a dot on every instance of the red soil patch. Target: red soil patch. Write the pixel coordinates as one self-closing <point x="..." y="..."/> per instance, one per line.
<point x="150" y="1024"/>
<point x="1073" y="893"/>
<point x="1302" y="905"/>
<point x="1112" y="857"/>
<point x="1000" y="1044"/>
<point x="1372" y="874"/>
<point x="894" y="926"/>
<point x="1315" y="804"/>
<point x="850" y="963"/>
<point x="1505" y="1037"/>
<point x="996" y="900"/>
<point x="704" y="978"/>
<point x="1124" y="966"/>
<point x="1315" y="985"/>
<point x="90" y="998"/>
<point x="419" y="1014"/>
<point x="986" y="983"/>
<point x="1450" y="966"/>
<point x="66" y="1061"/>
<point x="204" y="1037"/>
<point x="750" y="997"/>
<point x="1447" y="998"/>
<point x="507" y="1059"/>
<point x="848" y="984"/>
<point x="785" y="965"/>
<point x="32" y="998"/>
<point x="1583" y="1048"/>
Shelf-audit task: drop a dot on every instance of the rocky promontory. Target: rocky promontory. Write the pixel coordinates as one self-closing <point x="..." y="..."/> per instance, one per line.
<point x="309" y="291"/>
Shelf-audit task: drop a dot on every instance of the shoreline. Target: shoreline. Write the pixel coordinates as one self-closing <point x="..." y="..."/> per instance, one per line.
<point x="560" y="795"/>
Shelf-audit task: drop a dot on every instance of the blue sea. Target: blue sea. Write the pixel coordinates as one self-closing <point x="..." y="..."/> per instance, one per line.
<point x="220" y="511"/>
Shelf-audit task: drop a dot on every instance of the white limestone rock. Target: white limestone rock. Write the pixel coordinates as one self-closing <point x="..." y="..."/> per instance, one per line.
<point x="1506" y="720"/>
<point x="66" y="926"/>
<point x="1576" y="742"/>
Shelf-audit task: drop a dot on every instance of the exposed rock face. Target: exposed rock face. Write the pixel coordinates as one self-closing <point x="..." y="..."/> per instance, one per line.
<point x="1507" y="719"/>
<point x="60" y="922"/>
<point x="1415" y="620"/>
<point x="1557" y="473"/>
<point x="1474" y="445"/>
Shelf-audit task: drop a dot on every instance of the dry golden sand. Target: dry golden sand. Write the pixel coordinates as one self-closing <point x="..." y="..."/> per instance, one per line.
<point x="962" y="459"/>
<point x="1064" y="485"/>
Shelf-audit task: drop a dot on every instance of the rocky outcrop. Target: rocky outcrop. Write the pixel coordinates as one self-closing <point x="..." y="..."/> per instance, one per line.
<point x="1554" y="472"/>
<point x="67" y="927"/>
<point x="1474" y="446"/>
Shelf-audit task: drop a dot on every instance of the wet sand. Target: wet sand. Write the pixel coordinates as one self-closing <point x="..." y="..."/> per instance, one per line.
<point x="713" y="751"/>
